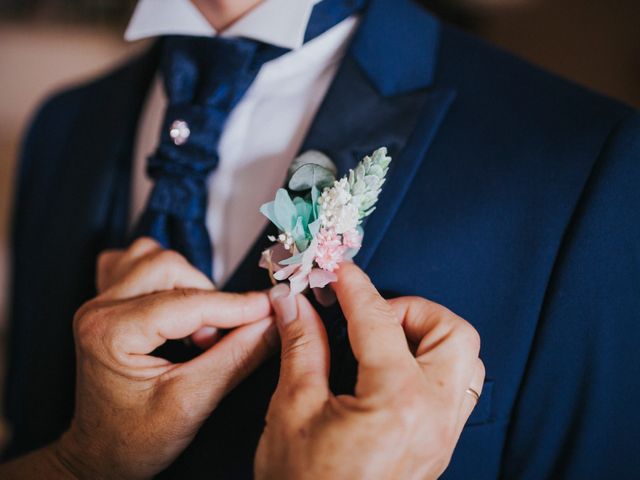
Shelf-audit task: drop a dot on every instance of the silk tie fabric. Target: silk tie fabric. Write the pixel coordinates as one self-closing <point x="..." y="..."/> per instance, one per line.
<point x="204" y="79"/>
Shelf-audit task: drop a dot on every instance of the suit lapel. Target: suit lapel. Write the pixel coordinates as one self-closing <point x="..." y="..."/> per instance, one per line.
<point x="355" y="119"/>
<point x="383" y="96"/>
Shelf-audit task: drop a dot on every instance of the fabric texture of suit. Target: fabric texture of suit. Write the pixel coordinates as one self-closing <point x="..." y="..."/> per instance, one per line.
<point x="513" y="199"/>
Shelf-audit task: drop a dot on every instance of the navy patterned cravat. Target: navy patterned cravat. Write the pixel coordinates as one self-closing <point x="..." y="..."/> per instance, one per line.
<point x="204" y="80"/>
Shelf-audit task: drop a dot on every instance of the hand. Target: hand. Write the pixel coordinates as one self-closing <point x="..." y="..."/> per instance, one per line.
<point x="135" y="412"/>
<point x="114" y="268"/>
<point x="415" y="361"/>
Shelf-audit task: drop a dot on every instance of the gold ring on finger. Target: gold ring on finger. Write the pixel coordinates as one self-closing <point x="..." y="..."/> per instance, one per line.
<point x="475" y="395"/>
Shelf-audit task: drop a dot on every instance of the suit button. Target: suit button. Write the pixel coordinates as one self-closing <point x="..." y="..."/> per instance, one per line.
<point x="179" y="132"/>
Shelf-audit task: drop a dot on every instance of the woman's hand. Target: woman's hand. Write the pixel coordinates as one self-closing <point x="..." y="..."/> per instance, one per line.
<point x="416" y="359"/>
<point x="135" y="413"/>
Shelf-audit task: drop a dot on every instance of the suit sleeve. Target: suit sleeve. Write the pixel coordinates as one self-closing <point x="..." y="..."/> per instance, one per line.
<point x="577" y="415"/>
<point x="38" y="159"/>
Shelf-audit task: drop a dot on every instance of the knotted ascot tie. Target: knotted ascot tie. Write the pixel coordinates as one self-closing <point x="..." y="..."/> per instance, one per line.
<point x="204" y="80"/>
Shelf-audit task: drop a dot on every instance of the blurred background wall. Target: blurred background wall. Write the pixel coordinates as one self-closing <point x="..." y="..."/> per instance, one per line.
<point x="46" y="45"/>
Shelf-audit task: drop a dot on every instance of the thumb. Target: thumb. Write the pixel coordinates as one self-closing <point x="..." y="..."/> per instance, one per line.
<point x="304" y="364"/>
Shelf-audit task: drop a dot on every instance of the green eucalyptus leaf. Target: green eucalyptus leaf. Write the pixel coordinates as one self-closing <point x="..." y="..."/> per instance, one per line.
<point x="312" y="156"/>
<point x="311" y="175"/>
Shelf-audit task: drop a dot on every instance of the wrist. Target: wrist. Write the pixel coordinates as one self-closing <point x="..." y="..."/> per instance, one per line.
<point x="57" y="464"/>
<point x="69" y="457"/>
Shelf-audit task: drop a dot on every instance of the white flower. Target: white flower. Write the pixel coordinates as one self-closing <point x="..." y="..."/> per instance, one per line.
<point x="350" y="199"/>
<point x="336" y="209"/>
<point x="285" y="238"/>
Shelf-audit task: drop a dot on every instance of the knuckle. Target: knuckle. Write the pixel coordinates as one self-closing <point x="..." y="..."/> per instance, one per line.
<point x="104" y="268"/>
<point x="482" y="372"/>
<point x="427" y="309"/>
<point x="468" y="335"/>
<point x="89" y="324"/>
<point x="143" y="244"/>
<point x="105" y="257"/>
<point x="169" y="258"/>
<point x="296" y="393"/>
<point x="187" y="293"/>
<point x="113" y="332"/>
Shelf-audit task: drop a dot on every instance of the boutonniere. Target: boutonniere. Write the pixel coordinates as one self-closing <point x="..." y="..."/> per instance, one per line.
<point x="320" y="221"/>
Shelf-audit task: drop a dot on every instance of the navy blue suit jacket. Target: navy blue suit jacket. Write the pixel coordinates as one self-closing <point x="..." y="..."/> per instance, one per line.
<point x="513" y="199"/>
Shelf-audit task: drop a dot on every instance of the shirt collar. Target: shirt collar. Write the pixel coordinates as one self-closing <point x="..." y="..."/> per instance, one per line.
<point x="278" y="22"/>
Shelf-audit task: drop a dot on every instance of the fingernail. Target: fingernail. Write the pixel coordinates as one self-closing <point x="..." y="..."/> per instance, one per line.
<point x="284" y="304"/>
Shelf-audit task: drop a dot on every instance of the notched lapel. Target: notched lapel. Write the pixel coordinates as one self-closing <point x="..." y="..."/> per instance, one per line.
<point x="383" y="96"/>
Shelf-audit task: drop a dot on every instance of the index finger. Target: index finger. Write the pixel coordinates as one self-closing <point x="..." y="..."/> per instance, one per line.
<point x="144" y="324"/>
<point x="375" y="333"/>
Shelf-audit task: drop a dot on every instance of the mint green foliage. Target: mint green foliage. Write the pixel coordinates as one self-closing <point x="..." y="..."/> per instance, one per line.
<point x="365" y="182"/>
<point x="295" y="217"/>
<point x="299" y="216"/>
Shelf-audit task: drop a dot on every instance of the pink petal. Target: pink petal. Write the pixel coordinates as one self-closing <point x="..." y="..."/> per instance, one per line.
<point x="298" y="282"/>
<point x="319" y="278"/>
<point x="286" y="272"/>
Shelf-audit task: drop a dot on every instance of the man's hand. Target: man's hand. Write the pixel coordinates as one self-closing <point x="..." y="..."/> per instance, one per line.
<point x="135" y="412"/>
<point x="416" y="360"/>
<point x="138" y="271"/>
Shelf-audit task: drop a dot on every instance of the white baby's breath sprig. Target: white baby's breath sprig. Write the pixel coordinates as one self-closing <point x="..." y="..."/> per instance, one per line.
<point x="350" y="199"/>
<point x="336" y="208"/>
<point x="285" y="238"/>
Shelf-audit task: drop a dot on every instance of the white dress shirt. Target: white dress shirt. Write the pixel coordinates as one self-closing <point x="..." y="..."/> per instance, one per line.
<point x="264" y="131"/>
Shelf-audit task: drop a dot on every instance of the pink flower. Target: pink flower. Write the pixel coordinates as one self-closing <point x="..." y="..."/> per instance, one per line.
<point x="352" y="239"/>
<point x="330" y="251"/>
